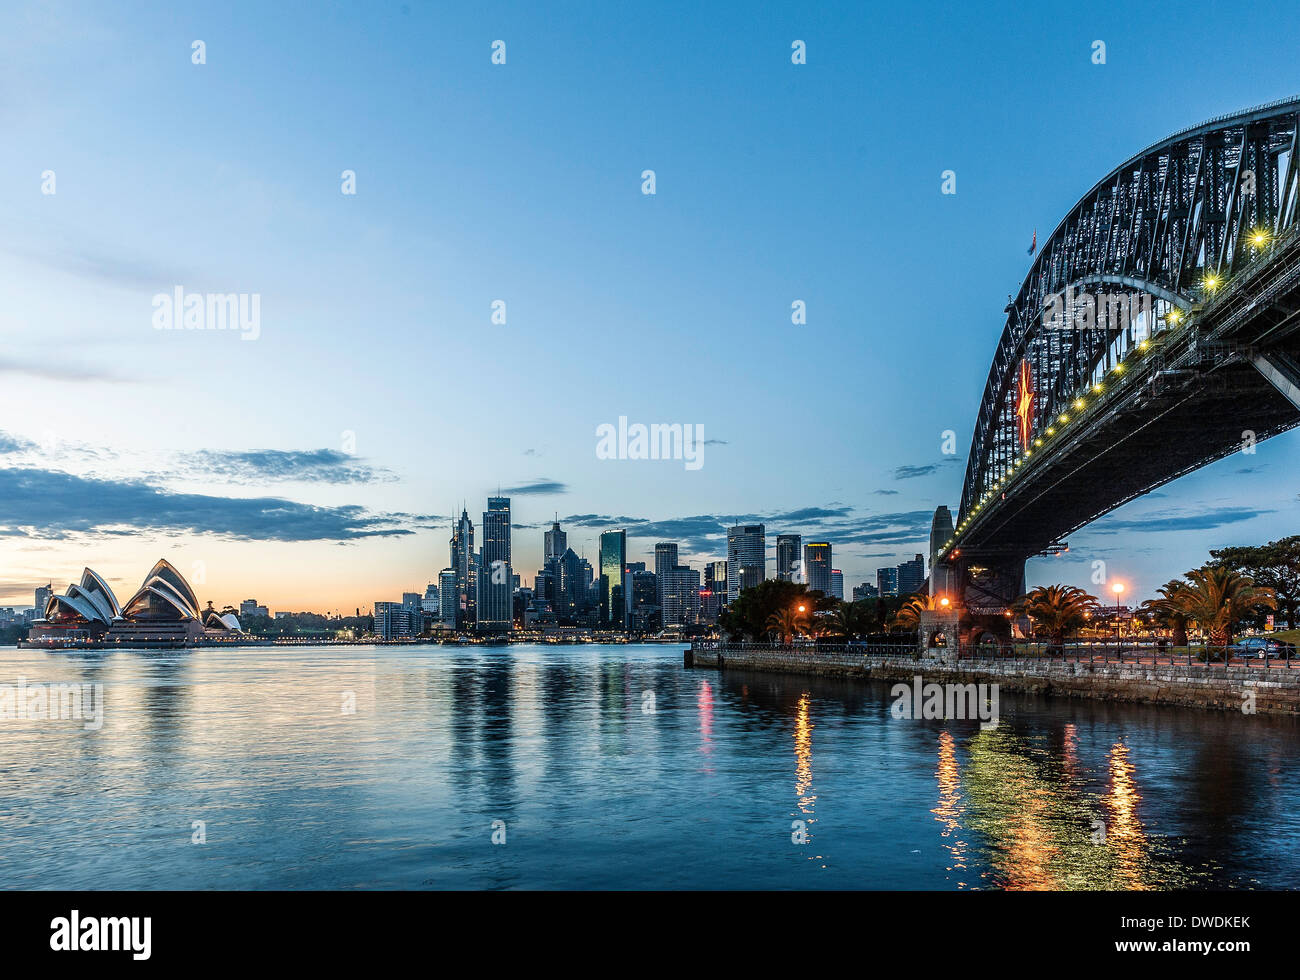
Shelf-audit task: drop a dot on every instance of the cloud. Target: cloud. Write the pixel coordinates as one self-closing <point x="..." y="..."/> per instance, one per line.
<point x="60" y="371"/>
<point x="271" y="465"/>
<point x="885" y="493"/>
<point x="715" y="442"/>
<point x="47" y="504"/>
<point x="13" y="444"/>
<point x="539" y="486"/>
<point x="912" y="472"/>
<point x="812" y="514"/>
<point x="1206" y="520"/>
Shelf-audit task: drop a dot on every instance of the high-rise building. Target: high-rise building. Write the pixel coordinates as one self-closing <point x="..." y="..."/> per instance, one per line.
<point x="396" y="620"/>
<point x="465" y="565"/>
<point x="710" y="605"/>
<point x="837" y="584"/>
<point x="555" y="542"/>
<point x="787" y="557"/>
<point x="817" y="566"/>
<point x="911" y="576"/>
<point x="430" y="603"/>
<point x="447" y="598"/>
<point x="613" y="559"/>
<point x="864" y="591"/>
<point x="644" y="615"/>
<point x="887" y="581"/>
<point x="495" y="607"/>
<point x="746" y="558"/>
<point x="681" y="596"/>
<point x="665" y="558"/>
<point x="43" y="593"/>
<point x="715" y="579"/>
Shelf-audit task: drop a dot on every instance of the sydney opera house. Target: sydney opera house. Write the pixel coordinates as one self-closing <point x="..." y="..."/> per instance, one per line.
<point x="164" y="612"/>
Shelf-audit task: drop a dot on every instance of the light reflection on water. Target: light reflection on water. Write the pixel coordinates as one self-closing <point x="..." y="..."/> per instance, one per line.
<point x="598" y="792"/>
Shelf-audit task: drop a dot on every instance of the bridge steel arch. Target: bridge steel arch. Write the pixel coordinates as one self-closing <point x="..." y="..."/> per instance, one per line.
<point x="1170" y="222"/>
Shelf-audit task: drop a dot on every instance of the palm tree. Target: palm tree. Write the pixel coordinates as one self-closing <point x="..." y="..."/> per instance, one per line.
<point x="1056" y="610"/>
<point x="848" y="620"/>
<point x="1166" y="611"/>
<point x="787" y="622"/>
<point x="1216" y="598"/>
<point x="908" y="616"/>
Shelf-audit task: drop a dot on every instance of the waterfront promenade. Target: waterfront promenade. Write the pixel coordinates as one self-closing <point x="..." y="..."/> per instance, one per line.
<point x="1106" y="672"/>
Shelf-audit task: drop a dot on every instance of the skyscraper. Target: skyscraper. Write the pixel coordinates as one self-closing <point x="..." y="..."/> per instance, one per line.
<point x="746" y="558"/>
<point x="715" y="579"/>
<point x="837" y="584"/>
<point x="787" y="557"/>
<point x="43" y="593"/>
<point x="448" y="601"/>
<point x="494" y="595"/>
<point x="665" y="558"/>
<point x="681" y="596"/>
<point x="887" y="581"/>
<point x="911" y="575"/>
<point x="613" y="559"/>
<point x="555" y="542"/>
<point x="465" y="565"/>
<point x="817" y="566"/>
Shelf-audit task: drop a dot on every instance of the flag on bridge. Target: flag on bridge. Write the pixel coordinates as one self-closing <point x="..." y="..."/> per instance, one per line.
<point x="1033" y="246"/>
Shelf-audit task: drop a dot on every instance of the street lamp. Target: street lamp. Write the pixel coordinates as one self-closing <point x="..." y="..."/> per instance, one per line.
<point x="1118" y="589"/>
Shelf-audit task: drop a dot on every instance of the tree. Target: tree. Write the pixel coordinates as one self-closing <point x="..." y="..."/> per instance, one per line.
<point x="850" y="619"/>
<point x="1167" y="612"/>
<point x="1275" y="566"/>
<point x="787" y="622"/>
<point x="1216" y="598"/>
<point x="748" y="614"/>
<point x="1057" y="610"/>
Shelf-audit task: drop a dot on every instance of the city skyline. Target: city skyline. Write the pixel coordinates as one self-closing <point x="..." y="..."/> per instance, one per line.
<point x="288" y="465"/>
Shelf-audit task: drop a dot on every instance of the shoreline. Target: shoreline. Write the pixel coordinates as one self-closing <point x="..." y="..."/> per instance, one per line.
<point x="1249" y="690"/>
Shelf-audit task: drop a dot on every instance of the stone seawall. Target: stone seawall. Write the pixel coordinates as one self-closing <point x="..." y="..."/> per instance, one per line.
<point x="1276" y="690"/>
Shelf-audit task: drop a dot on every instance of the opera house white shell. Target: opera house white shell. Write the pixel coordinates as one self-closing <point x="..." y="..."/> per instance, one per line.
<point x="163" y="612"/>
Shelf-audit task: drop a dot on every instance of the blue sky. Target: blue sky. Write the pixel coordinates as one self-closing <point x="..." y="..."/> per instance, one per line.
<point x="315" y="466"/>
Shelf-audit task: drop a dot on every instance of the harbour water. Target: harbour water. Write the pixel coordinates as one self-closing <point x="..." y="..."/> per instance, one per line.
<point x="613" y="767"/>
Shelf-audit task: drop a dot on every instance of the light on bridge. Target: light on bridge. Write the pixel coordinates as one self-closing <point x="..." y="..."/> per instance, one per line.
<point x="1098" y="388"/>
<point x="1211" y="282"/>
<point x="1063" y="419"/>
<point x="1051" y="431"/>
<point x="1175" y="315"/>
<point x="1259" y="238"/>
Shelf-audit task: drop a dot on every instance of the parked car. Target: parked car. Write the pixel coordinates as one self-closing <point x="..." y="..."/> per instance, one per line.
<point x="1265" y="647"/>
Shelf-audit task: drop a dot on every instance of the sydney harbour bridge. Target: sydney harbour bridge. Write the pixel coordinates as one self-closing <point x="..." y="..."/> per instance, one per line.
<point x="1158" y="330"/>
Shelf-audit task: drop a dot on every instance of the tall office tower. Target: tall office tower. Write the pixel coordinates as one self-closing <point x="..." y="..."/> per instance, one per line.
<point x="681" y="592"/>
<point x="942" y="574"/>
<point x="569" y="585"/>
<point x="710" y="606"/>
<point x="787" y="557"/>
<point x="43" y="593"/>
<point x="837" y="584"/>
<point x="634" y="566"/>
<point x="495" y="610"/>
<point x="447" y="598"/>
<point x="911" y="575"/>
<point x="464" y="563"/>
<point x="817" y="566"/>
<point x="746" y="558"/>
<point x="644" y="615"/>
<point x="665" y="558"/>
<point x="613" y="559"/>
<point x="715" y="579"/>
<point x="556" y="541"/>
<point x="430" y="602"/>
<point x="864" y="591"/>
<point x="887" y="581"/>
<point x="395" y="620"/>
